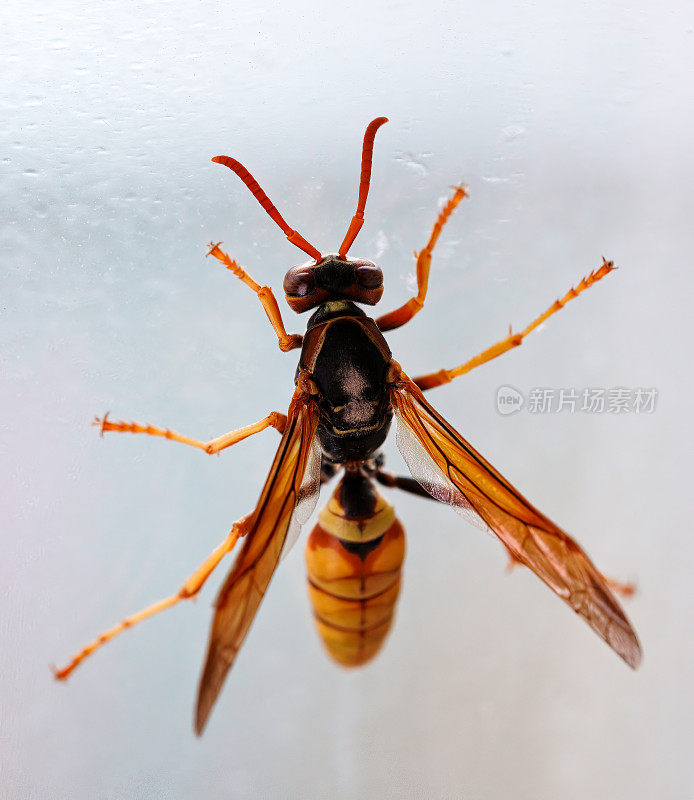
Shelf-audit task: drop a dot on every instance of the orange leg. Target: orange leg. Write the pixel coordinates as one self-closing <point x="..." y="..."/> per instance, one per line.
<point x="189" y="589"/>
<point x="405" y="313"/>
<point x="267" y="298"/>
<point x="623" y="589"/>
<point x="274" y="419"/>
<point x="434" y="379"/>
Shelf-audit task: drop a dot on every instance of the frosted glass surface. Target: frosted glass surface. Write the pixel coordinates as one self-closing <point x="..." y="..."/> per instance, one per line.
<point x="572" y="125"/>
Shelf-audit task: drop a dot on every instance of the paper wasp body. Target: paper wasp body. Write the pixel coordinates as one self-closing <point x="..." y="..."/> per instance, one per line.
<point x="348" y="391"/>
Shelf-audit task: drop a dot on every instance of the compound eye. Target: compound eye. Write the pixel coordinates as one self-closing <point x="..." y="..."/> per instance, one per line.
<point x="369" y="276"/>
<point x="299" y="283"/>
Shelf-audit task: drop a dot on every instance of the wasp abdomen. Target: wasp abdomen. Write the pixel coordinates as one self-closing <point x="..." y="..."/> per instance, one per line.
<point x="354" y="557"/>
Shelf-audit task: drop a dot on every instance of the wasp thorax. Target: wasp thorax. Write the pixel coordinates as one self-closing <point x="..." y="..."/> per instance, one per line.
<point x="333" y="278"/>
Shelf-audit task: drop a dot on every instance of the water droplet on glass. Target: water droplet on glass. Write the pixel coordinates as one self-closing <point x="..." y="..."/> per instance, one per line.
<point x="511" y="132"/>
<point x="414" y="161"/>
<point x="382" y="244"/>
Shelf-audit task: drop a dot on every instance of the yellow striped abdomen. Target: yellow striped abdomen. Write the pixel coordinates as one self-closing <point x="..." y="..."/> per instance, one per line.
<point x="354" y="557"/>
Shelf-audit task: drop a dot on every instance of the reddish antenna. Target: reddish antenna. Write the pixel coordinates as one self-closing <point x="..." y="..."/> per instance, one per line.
<point x="293" y="236"/>
<point x="367" y="152"/>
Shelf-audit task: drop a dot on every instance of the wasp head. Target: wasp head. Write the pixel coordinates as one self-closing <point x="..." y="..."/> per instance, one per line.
<point x="333" y="278"/>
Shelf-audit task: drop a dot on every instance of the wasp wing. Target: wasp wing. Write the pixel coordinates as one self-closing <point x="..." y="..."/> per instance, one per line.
<point x="453" y="471"/>
<point x="287" y="500"/>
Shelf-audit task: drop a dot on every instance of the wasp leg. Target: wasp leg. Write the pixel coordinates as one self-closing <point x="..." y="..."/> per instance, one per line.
<point x="413" y="487"/>
<point x="406" y="484"/>
<point x="433" y="379"/>
<point x="267" y="298"/>
<point x="328" y="470"/>
<point x="405" y="313"/>
<point x="189" y="589"/>
<point x="274" y="419"/>
<point x="623" y="589"/>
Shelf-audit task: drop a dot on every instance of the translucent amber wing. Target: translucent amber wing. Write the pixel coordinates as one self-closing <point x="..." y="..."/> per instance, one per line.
<point x="531" y="538"/>
<point x="287" y="500"/>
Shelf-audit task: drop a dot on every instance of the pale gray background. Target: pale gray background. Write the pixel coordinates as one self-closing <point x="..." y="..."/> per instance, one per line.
<point x="572" y="124"/>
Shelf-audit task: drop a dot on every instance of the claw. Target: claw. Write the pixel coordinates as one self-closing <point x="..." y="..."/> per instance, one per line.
<point x="212" y="248"/>
<point x="461" y="187"/>
<point x="101" y="423"/>
<point x="624" y="589"/>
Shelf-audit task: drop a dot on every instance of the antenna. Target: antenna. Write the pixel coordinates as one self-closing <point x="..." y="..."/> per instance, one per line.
<point x="367" y="152"/>
<point x="293" y="236"/>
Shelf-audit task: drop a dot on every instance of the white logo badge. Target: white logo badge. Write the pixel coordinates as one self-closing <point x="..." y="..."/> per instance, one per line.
<point x="508" y="400"/>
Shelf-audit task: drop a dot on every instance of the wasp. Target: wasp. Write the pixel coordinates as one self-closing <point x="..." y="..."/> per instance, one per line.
<point x="348" y="390"/>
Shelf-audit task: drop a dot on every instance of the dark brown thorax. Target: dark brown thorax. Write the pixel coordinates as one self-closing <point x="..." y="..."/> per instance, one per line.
<point x="348" y="359"/>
